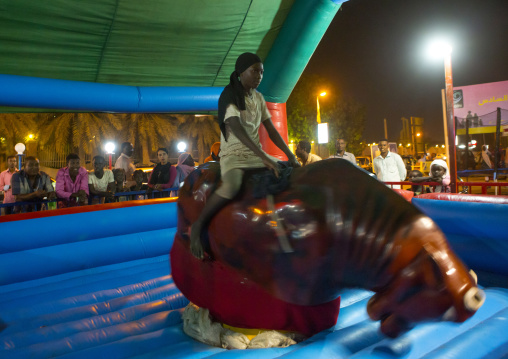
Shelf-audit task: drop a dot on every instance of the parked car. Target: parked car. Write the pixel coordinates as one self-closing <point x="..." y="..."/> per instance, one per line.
<point x="364" y="162"/>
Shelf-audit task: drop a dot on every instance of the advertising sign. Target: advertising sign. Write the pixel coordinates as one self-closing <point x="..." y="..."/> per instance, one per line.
<point x="475" y="101"/>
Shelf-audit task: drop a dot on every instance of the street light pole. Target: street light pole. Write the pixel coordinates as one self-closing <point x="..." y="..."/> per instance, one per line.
<point x="318" y="120"/>
<point x="318" y="116"/>
<point x="110" y="147"/>
<point x="20" y="148"/>
<point x="450" y="121"/>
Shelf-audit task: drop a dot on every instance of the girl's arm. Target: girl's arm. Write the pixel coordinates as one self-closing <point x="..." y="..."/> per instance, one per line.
<point x="239" y="132"/>
<point x="279" y="142"/>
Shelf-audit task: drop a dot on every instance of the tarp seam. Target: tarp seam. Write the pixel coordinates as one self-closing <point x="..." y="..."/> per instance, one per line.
<point x="232" y="43"/>
<point x="107" y="41"/>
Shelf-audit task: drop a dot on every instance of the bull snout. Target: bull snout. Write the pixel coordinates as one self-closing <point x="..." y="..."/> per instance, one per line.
<point x="474" y="299"/>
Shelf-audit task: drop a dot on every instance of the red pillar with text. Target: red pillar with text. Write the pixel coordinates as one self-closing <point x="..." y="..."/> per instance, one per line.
<point x="279" y="119"/>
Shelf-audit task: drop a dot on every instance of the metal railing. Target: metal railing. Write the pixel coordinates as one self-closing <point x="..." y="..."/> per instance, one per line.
<point x="34" y="206"/>
<point x="467" y="187"/>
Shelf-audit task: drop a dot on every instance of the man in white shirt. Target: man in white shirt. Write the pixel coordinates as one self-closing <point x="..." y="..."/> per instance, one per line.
<point x="389" y="166"/>
<point x="340" y="146"/>
<point x="125" y="162"/>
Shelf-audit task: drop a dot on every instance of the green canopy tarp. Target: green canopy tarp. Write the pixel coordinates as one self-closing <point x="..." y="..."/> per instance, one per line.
<point x="132" y="42"/>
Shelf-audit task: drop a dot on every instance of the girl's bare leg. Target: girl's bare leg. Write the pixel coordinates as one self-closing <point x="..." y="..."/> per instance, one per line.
<point x="212" y="206"/>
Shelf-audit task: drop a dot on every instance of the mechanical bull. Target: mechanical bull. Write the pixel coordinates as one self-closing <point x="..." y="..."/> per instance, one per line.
<point x="280" y="262"/>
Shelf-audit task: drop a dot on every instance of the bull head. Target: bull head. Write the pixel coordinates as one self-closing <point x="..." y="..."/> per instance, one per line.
<point x="431" y="284"/>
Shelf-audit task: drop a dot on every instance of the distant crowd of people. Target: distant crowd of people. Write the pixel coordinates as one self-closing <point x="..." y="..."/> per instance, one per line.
<point x="388" y="166"/>
<point x="75" y="186"/>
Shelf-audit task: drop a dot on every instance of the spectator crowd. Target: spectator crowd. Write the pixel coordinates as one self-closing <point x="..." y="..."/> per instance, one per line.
<point x="29" y="189"/>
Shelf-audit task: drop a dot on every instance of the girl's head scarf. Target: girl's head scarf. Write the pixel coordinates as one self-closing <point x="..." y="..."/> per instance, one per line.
<point x="234" y="92"/>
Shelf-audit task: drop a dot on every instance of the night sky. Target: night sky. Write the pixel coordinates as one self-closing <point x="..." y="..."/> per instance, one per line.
<point x="374" y="50"/>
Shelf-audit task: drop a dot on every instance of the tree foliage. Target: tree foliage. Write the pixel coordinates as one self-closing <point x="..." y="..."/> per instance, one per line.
<point x="84" y="133"/>
<point x="345" y="117"/>
<point x="302" y="107"/>
<point x="149" y="131"/>
<point x="14" y="128"/>
<point x="202" y="129"/>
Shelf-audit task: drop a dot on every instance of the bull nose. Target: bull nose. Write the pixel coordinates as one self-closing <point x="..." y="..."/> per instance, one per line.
<point x="474" y="299"/>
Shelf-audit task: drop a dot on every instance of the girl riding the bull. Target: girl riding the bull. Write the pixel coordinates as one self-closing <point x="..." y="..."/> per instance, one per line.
<point x="242" y="110"/>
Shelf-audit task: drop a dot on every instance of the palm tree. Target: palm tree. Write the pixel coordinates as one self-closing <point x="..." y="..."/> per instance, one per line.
<point x="149" y="131"/>
<point x="14" y="128"/>
<point x="84" y="133"/>
<point x="204" y="129"/>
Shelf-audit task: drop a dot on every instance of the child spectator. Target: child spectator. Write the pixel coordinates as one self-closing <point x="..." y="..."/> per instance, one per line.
<point x="417" y="189"/>
<point x="119" y="177"/>
<point x="139" y="176"/>
<point x="101" y="183"/>
<point x="439" y="173"/>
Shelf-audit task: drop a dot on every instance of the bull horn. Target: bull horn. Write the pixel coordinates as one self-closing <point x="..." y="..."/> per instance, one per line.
<point x="474" y="299"/>
<point x="473" y="274"/>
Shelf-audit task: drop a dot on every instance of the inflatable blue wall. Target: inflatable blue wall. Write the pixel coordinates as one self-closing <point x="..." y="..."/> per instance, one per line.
<point x="97" y="284"/>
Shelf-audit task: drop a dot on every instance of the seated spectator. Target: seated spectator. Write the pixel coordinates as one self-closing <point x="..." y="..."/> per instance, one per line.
<point x="184" y="166"/>
<point x="5" y="183"/>
<point x="439" y="173"/>
<point x="417" y="189"/>
<point x="101" y="182"/>
<point x="303" y="154"/>
<point x="119" y="177"/>
<point x="214" y="153"/>
<point x="163" y="175"/>
<point x="138" y="176"/>
<point x="72" y="183"/>
<point x="31" y="184"/>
